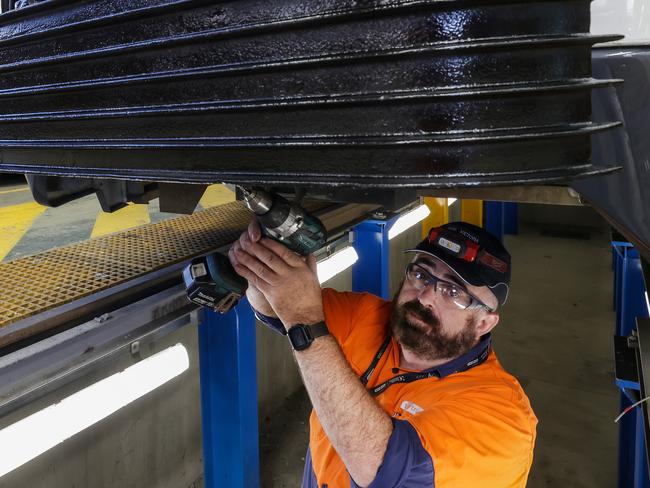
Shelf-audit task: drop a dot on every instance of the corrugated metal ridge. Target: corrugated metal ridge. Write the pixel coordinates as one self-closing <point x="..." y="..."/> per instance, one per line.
<point x="441" y="46"/>
<point x="343" y="13"/>
<point x="33" y="10"/>
<point x="486" y="90"/>
<point x="400" y="139"/>
<point x="437" y="180"/>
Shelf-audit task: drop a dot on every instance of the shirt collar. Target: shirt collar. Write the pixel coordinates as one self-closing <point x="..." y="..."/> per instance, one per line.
<point x="475" y="356"/>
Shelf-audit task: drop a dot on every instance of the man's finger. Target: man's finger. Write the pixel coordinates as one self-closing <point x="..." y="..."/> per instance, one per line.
<point x="287" y="255"/>
<point x="252" y="278"/>
<point x="254" y="230"/>
<point x="256" y="266"/>
<point x="266" y="256"/>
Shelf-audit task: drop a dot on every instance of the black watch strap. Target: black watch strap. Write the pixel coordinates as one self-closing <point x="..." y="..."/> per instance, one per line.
<point x="301" y="336"/>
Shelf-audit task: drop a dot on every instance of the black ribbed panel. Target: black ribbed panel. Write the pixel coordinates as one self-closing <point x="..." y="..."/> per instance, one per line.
<point x="331" y="92"/>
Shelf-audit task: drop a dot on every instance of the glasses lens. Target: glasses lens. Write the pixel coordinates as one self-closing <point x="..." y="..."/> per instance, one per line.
<point x="417" y="276"/>
<point x="452" y="294"/>
<point x="455" y="295"/>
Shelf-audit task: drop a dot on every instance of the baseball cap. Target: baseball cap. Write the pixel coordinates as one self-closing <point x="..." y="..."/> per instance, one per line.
<point x="475" y="255"/>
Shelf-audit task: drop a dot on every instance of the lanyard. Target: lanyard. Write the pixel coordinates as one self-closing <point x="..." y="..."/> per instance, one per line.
<point x="414" y="376"/>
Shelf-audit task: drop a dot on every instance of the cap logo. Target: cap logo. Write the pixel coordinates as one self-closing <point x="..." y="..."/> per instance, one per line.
<point x="493" y="262"/>
<point x="468" y="235"/>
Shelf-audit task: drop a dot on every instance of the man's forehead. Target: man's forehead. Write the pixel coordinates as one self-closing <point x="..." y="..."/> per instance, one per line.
<point x="433" y="263"/>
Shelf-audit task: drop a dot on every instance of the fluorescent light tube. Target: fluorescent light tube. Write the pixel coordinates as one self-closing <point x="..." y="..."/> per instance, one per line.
<point x="337" y="262"/>
<point x="35" y="434"/>
<point x="450" y="201"/>
<point x="408" y="220"/>
<point x="647" y="303"/>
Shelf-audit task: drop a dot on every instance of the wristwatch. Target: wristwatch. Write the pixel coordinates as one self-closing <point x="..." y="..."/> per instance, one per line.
<point x="301" y="336"/>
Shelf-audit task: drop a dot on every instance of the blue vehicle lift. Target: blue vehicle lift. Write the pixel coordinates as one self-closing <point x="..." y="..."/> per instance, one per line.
<point x="629" y="303"/>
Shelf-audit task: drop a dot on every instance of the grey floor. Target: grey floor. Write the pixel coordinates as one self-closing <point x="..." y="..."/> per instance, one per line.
<point x="555" y="336"/>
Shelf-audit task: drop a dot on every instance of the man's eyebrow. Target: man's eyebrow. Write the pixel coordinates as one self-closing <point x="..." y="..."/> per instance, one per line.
<point x="451" y="278"/>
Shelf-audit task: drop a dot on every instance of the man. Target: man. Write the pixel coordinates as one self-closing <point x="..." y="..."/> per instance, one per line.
<point x="405" y="393"/>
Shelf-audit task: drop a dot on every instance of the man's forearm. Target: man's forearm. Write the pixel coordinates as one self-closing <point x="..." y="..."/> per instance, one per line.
<point x="355" y="424"/>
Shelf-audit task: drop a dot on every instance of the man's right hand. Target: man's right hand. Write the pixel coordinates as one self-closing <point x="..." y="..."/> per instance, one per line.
<point x="255" y="297"/>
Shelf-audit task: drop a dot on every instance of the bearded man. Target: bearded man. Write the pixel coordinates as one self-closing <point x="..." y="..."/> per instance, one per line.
<point x="407" y="393"/>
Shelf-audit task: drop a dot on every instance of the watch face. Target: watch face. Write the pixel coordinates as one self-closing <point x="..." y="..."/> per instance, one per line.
<point x="299" y="338"/>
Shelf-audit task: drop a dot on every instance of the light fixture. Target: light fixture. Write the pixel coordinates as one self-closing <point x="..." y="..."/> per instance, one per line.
<point x="408" y="220"/>
<point x="337" y="262"/>
<point x="647" y="303"/>
<point x="451" y="201"/>
<point x="35" y="434"/>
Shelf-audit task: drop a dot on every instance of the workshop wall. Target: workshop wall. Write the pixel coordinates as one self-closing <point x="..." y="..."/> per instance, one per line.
<point x="560" y="216"/>
<point x="153" y="442"/>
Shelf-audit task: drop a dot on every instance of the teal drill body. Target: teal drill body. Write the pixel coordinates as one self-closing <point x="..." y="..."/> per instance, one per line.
<point x="212" y="282"/>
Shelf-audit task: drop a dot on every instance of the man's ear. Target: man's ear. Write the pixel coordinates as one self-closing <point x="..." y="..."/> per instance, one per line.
<point x="486" y="323"/>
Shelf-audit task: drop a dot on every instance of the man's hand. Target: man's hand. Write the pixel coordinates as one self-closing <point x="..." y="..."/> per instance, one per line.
<point x="287" y="281"/>
<point x="255" y="297"/>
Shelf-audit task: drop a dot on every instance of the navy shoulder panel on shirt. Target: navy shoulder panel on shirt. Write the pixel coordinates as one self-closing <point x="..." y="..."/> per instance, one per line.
<point x="406" y="463"/>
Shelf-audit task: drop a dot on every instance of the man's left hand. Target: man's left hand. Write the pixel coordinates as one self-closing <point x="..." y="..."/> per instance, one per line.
<point x="288" y="281"/>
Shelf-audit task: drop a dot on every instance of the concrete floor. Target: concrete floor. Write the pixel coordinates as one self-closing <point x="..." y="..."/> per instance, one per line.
<point x="555" y="336"/>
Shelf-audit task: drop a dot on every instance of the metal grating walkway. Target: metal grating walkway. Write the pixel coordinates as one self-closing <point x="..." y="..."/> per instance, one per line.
<point x="34" y="284"/>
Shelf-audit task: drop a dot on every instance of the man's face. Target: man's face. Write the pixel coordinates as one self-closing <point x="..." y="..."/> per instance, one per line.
<point x="425" y="324"/>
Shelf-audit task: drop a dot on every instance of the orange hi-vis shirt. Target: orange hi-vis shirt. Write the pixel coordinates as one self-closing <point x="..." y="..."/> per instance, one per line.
<point x="476" y="425"/>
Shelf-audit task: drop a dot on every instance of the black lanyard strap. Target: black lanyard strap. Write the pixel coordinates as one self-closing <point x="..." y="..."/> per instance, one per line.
<point x="371" y="369"/>
<point x="402" y="378"/>
<point x="413" y="376"/>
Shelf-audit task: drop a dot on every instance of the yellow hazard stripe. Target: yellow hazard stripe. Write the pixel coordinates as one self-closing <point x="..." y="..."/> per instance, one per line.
<point x="133" y="215"/>
<point x="15" y="221"/>
<point x="216" y="195"/>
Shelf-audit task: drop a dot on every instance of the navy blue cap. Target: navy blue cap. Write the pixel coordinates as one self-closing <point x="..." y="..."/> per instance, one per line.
<point x="475" y="255"/>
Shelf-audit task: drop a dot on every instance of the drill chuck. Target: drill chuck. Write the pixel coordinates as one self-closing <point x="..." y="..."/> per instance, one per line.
<point x="285" y="222"/>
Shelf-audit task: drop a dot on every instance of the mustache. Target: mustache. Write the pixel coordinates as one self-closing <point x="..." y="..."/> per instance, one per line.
<point x="421" y="312"/>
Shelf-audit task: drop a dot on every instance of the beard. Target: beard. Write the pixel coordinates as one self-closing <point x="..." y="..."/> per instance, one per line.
<point x="426" y="338"/>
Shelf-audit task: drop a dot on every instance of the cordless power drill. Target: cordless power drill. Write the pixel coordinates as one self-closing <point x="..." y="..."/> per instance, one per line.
<point x="212" y="282"/>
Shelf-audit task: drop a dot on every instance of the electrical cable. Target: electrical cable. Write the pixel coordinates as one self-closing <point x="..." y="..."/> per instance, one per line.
<point x="631" y="407"/>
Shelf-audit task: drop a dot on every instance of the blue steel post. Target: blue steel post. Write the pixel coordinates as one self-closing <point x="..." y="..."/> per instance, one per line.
<point x="641" y="479"/>
<point x="371" y="273"/>
<point x="629" y="302"/>
<point x="229" y="398"/>
<point x="511" y="218"/>
<point x="494" y="219"/>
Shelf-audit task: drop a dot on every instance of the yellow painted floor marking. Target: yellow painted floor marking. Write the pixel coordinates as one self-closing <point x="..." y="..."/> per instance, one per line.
<point x="15" y="190"/>
<point x="217" y="195"/>
<point x="15" y="221"/>
<point x="133" y="215"/>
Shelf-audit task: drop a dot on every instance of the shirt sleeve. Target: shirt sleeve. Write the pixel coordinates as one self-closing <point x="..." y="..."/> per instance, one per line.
<point x="347" y="310"/>
<point x="406" y="463"/>
<point x="273" y="323"/>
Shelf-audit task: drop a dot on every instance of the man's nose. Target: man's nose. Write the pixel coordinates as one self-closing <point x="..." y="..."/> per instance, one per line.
<point x="428" y="296"/>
